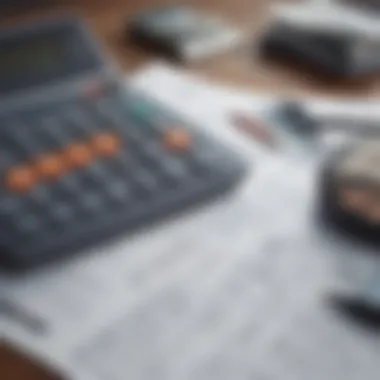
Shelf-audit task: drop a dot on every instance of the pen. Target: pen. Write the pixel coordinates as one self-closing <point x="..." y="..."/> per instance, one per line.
<point x="254" y="128"/>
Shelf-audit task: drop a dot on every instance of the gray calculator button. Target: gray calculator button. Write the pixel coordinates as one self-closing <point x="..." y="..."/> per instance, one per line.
<point x="207" y="156"/>
<point x="123" y="161"/>
<point x="80" y="120"/>
<point x="41" y="195"/>
<point x="92" y="202"/>
<point x="28" y="223"/>
<point x="146" y="180"/>
<point x="119" y="191"/>
<point x="174" y="168"/>
<point x="6" y="160"/>
<point x="107" y="111"/>
<point x="54" y="131"/>
<point x="99" y="171"/>
<point x="8" y="205"/>
<point x="122" y="157"/>
<point x="153" y="150"/>
<point x="70" y="183"/>
<point x="24" y="141"/>
<point x="62" y="213"/>
<point x="133" y="134"/>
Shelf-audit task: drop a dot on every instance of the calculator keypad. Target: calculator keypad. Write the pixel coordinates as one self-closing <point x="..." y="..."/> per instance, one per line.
<point x="83" y="172"/>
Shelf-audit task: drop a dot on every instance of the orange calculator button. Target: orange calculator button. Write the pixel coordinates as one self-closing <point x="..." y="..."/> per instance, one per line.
<point x="77" y="155"/>
<point x="105" y="144"/>
<point x="50" y="166"/>
<point x="177" y="140"/>
<point x="20" y="178"/>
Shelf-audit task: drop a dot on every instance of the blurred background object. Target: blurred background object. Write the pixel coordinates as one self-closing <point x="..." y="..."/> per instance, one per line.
<point x="363" y="5"/>
<point x="330" y="38"/>
<point x="182" y="33"/>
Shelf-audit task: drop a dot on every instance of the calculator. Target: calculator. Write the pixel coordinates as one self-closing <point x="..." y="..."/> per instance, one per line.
<point x="85" y="158"/>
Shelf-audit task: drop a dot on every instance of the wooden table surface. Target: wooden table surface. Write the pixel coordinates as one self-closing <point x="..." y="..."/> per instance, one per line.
<point x="240" y="69"/>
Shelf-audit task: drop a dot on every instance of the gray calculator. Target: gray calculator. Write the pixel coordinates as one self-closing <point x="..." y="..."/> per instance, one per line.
<point x="82" y="157"/>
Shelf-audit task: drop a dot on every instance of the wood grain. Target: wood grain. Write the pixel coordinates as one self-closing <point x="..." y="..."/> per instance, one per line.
<point x="16" y="366"/>
<point x="240" y="69"/>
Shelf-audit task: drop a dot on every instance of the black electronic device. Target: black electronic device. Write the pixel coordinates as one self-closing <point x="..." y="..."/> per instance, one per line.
<point x="368" y="6"/>
<point x="337" y="54"/>
<point x="83" y="157"/>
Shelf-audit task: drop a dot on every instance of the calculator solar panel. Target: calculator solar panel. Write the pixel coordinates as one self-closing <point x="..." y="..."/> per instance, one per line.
<point x="94" y="159"/>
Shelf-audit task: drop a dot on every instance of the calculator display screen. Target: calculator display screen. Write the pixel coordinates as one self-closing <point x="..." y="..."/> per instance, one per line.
<point x="45" y="55"/>
<point x="31" y="57"/>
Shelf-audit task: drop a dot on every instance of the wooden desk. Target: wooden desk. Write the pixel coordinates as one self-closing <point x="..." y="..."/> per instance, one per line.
<point x="240" y="69"/>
